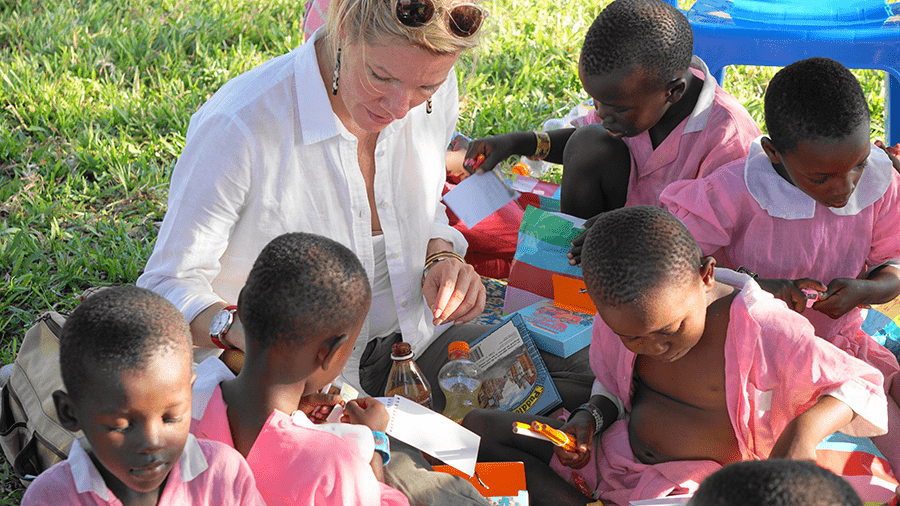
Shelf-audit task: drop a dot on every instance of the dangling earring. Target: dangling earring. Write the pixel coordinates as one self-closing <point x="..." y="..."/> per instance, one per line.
<point x="428" y="106"/>
<point x="337" y="71"/>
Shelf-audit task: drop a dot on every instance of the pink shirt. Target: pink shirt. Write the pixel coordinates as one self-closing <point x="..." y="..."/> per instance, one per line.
<point x="296" y="464"/>
<point x="748" y="215"/>
<point x="775" y="369"/>
<point x="207" y="474"/>
<point x="718" y="131"/>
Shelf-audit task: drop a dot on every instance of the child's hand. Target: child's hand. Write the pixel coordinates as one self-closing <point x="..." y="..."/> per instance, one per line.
<point x="893" y="153"/>
<point x="318" y="406"/>
<point x="582" y="427"/>
<point x="578" y="243"/>
<point x="366" y="411"/>
<point x="484" y="154"/>
<point x="842" y="296"/>
<point x="791" y="291"/>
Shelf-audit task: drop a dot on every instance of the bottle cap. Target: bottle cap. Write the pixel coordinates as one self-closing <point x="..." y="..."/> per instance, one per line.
<point x="401" y="351"/>
<point x="458" y="346"/>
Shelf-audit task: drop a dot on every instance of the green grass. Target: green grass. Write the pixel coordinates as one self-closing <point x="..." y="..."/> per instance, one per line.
<point x="95" y="98"/>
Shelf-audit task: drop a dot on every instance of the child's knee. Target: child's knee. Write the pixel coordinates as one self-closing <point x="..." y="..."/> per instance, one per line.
<point x="590" y="147"/>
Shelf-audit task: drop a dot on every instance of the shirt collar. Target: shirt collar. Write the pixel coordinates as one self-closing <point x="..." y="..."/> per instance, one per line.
<point x="781" y="199"/>
<point x="88" y="479"/>
<point x="702" y="109"/>
<point x="317" y="120"/>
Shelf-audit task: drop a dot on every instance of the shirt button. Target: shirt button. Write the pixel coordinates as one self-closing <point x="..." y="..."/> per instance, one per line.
<point x="404" y="304"/>
<point x="394" y="255"/>
<point x="384" y="205"/>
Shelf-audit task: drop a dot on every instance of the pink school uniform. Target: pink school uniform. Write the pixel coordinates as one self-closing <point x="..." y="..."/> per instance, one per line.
<point x="207" y="474"/>
<point x="747" y="215"/>
<point x="295" y="462"/>
<point x="774" y="370"/>
<point x="718" y="131"/>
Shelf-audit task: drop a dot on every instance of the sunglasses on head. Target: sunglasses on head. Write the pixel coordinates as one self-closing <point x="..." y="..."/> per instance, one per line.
<point x="463" y="20"/>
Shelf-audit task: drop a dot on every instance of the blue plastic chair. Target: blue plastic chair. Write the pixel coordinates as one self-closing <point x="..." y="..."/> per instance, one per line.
<point x="861" y="34"/>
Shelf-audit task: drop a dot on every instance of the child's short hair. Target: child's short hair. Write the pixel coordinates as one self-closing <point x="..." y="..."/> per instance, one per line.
<point x="816" y="98"/>
<point x="118" y="329"/>
<point x="775" y="483"/>
<point x="631" y="250"/>
<point x="647" y="34"/>
<point x="302" y="281"/>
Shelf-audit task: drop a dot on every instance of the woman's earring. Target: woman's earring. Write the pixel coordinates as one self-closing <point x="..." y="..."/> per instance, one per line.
<point x="428" y="105"/>
<point x="337" y="72"/>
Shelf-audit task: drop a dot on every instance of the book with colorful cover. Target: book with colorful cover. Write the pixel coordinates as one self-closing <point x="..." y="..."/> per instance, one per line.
<point x="557" y="330"/>
<point x="514" y="376"/>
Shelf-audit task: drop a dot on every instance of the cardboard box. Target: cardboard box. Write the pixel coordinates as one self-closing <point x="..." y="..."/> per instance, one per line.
<point x="556" y="330"/>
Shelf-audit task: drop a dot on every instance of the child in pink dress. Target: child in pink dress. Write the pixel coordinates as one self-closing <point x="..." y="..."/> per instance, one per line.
<point x="302" y="307"/>
<point x="663" y="116"/>
<point x="695" y="367"/>
<point x="814" y="206"/>
<point x="125" y="359"/>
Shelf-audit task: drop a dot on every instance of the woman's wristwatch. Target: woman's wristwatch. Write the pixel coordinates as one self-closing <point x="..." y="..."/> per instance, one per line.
<point x="594" y="411"/>
<point x="220" y="325"/>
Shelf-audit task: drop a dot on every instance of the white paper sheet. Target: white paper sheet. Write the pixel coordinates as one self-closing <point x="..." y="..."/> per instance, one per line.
<point x="478" y="196"/>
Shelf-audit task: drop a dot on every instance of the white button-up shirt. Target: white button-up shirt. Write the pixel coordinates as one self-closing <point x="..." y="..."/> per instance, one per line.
<point x="267" y="155"/>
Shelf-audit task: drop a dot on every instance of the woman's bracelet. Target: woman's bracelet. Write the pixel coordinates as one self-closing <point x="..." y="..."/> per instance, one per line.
<point x="436" y="257"/>
<point x="543" y="146"/>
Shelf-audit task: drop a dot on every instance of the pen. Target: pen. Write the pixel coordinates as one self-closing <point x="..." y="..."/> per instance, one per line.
<point x="478" y="161"/>
<point x="543" y="431"/>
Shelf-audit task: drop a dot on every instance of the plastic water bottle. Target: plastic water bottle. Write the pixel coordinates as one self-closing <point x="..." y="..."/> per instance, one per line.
<point x="460" y="380"/>
<point x="405" y="378"/>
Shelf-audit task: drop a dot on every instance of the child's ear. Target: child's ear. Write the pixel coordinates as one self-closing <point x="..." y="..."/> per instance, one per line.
<point x="708" y="272"/>
<point x="328" y="351"/>
<point x="65" y="411"/>
<point x="675" y="88"/>
<point x="770" y="150"/>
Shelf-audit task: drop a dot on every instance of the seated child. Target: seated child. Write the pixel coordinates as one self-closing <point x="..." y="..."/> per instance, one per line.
<point x="125" y="358"/>
<point x="814" y="206"/>
<point x="775" y="482"/>
<point x="302" y="307"/>
<point x="663" y="116"/>
<point x="692" y="374"/>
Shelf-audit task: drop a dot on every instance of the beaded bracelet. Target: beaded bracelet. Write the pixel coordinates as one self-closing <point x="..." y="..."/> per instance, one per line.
<point x="543" y="146"/>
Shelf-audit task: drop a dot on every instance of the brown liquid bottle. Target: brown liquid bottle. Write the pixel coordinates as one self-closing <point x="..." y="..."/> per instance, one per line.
<point x="406" y="379"/>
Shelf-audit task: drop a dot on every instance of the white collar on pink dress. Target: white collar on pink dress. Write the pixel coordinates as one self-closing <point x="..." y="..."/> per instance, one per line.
<point x="781" y="199"/>
<point x="88" y="479"/>
<point x="700" y="115"/>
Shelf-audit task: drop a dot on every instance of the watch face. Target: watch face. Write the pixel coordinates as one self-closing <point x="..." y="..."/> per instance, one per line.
<point x="221" y="322"/>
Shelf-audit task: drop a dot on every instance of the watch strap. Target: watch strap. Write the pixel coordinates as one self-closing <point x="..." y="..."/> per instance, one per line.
<point x="382" y="446"/>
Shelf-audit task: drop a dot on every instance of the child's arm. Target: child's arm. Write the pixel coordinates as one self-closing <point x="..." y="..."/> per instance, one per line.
<point x="371" y="413"/>
<point x="582" y="424"/>
<point x="500" y="147"/>
<point x="800" y="437"/>
<point x="879" y="286"/>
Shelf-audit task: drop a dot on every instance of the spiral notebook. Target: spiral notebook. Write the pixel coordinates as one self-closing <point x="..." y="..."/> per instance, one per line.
<point x="433" y="433"/>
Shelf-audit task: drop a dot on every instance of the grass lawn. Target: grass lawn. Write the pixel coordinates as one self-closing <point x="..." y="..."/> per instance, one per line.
<point x="95" y="98"/>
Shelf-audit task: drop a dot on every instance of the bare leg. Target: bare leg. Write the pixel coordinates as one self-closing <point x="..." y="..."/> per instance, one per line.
<point x="499" y="444"/>
<point x="889" y="444"/>
<point x="596" y="169"/>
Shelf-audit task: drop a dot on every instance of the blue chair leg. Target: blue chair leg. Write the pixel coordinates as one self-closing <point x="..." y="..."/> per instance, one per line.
<point x="891" y="108"/>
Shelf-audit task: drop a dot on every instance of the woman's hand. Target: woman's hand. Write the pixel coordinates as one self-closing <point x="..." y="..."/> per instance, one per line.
<point x="366" y="411"/>
<point x="582" y="427"/>
<point x="453" y="291"/>
<point x="842" y="296"/>
<point x="791" y="291"/>
<point x="318" y="406"/>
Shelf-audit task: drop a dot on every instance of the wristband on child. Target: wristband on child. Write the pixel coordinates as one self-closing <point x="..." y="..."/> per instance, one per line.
<point x="594" y="411"/>
<point x="744" y="270"/>
<point x="543" y="146"/>
<point x="439" y="256"/>
<point x="382" y="446"/>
